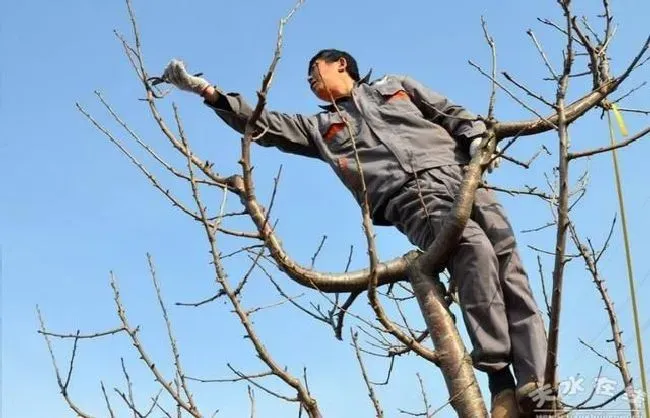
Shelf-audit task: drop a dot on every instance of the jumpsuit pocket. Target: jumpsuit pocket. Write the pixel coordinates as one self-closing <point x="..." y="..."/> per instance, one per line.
<point x="394" y="99"/>
<point x="336" y="133"/>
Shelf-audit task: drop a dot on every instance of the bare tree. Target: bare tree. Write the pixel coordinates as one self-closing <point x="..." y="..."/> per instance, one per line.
<point x="388" y="285"/>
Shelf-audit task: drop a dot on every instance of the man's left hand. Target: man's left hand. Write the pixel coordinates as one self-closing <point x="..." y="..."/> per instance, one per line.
<point x="475" y="147"/>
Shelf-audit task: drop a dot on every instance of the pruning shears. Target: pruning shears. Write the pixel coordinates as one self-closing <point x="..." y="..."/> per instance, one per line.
<point x="154" y="81"/>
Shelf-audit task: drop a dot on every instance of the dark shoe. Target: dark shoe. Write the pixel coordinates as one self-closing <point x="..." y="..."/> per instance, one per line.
<point x="504" y="405"/>
<point x="535" y="399"/>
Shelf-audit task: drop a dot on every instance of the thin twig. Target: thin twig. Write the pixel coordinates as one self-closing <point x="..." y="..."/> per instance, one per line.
<point x="108" y="402"/>
<point x="129" y="387"/>
<point x="320" y="247"/>
<point x="78" y="336"/>
<point x="170" y="335"/>
<point x="530" y="191"/>
<point x="629" y="92"/>
<point x="426" y="413"/>
<point x="133" y="334"/>
<point x="593" y="350"/>
<point x="371" y="391"/>
<point x="230" y="379"/>
<point x="527" y="90"/>
<point x="541" y="277"/>
<point x="601" y="150"/>
<point x="515" y="98"/>
<point x="165" y="191"/>
<point x="251" y="397"/>
<point x="62" y="386"/>
<point x="493" y="93"/>
<point x="541" y="52"/>
<point x="645" y="112"/>
<point x="144" y="145"/>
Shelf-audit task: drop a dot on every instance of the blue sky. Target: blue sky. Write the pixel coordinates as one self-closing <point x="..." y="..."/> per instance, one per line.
<point x="73" y="208"/>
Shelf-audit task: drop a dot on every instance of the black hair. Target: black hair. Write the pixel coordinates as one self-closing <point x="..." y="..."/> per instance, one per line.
<point x="333" y="55"/>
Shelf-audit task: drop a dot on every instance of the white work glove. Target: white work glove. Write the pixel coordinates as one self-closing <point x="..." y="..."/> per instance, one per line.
<point x="474" y="148"/>
<point x="176" y="74"/>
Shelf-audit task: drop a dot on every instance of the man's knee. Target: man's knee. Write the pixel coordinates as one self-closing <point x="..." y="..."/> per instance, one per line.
<point x="474" y="269"/>
<point x="475" y="249"/>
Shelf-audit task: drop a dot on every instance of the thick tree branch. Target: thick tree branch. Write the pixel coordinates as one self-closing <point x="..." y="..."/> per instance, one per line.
<point x="562" y="220"/>
<point x="572" y="111"/>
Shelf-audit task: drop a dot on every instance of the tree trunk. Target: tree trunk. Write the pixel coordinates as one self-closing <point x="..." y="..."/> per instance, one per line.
<point x="456" y="366"/>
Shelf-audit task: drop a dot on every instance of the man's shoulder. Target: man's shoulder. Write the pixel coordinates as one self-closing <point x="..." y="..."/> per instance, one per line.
<point x="394" y="80"/>
<point x="387" y="78"/>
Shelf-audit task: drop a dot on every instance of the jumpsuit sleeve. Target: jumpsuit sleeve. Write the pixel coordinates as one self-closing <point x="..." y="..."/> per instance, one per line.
<point x="288" y="133"/>
<point x="460" y="123"/>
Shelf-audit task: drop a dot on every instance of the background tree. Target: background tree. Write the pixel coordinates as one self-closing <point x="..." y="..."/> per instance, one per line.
<point x="463" y="394"/>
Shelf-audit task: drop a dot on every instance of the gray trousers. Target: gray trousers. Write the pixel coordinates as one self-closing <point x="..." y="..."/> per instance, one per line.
<point x="501" y="316"/>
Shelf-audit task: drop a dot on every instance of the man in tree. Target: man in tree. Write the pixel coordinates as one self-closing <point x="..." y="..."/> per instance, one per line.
<point x="412" y="144"/>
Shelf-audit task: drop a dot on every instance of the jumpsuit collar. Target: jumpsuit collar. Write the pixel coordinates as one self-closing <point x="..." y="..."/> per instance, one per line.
<point x="364" y="80"/>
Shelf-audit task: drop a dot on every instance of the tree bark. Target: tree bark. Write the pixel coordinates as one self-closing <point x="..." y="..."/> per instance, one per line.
<point x="454" y="361"/>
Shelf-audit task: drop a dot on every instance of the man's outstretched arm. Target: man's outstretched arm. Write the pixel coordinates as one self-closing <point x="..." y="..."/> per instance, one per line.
<point x="289" y="133"/>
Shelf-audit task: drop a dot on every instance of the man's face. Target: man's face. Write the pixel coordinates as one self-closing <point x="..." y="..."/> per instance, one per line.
<point x="326" y="79"/>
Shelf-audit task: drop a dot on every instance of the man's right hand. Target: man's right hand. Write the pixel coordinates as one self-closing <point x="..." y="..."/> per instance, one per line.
<point x="176" y="74"/>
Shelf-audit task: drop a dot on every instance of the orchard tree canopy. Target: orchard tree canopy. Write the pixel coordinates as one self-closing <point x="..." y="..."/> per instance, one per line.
<point x="272" y="292"/>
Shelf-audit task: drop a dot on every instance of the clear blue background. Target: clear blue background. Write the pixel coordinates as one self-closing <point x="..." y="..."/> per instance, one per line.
<point x="73" y="208"/>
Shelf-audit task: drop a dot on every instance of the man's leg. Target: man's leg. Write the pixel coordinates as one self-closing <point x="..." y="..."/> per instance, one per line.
<point x="526" y="327"/>
<point x="418" y="211"/>
<point x="474" y="269"/>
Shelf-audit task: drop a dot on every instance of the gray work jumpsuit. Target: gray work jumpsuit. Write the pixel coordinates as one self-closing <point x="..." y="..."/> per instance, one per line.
<point x="411" y="140"/>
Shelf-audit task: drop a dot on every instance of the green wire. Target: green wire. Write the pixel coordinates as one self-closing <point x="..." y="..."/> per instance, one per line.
<point x="628" y="255"/>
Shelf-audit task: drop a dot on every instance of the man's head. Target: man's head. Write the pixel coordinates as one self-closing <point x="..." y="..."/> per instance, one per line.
<point x="332" y="74"/>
